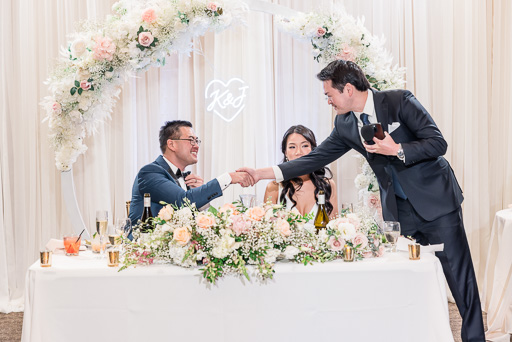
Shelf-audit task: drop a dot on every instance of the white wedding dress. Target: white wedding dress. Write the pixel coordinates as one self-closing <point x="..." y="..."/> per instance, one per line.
<point x="289" y="203"/>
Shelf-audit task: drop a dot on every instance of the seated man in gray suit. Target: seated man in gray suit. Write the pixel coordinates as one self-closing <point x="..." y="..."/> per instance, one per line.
<point x="164" y="178"/>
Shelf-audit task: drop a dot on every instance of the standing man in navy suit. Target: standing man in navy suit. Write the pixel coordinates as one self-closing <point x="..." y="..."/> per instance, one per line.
<point x="166" y="180"/>
<point x="417" y="185"/>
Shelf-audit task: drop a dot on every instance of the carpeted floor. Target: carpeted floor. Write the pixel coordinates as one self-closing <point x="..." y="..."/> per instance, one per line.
<point x="10" y="325"/>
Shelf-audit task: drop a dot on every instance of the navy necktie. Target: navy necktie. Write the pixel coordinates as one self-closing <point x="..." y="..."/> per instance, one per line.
<point x="364" y="119"/>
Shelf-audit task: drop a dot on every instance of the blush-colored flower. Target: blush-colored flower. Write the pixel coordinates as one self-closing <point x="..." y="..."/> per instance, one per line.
<point x="381" y="251"/>
<point x="149" y="16"/>
<point x="360" y="239"/>
<point x="205" y="221"/>
<point x="56" y="108"/>
<point x="335" y="244"/>
<point x="373" y="201"/>
<point x="320" y="32"/>
<point x="212" y="6"/>
<point x="166" y="212"/>
<point x="239" y="224"/>
<point x="283" y="227"/>
<point x="255" y="213"/>
<point x="228" y="206"/>
<point x="146" y="39"/>
<point x="368" y="254"/>
<point x="85" y="85"/>
<point x="347" y="53"/>
<point x="104" y="49"/>
<point x="354" y="219"/>
<point x="181" y="235"/>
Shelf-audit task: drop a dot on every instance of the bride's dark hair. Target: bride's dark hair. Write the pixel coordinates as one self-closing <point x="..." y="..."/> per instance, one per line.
<point x="320" y="177"/>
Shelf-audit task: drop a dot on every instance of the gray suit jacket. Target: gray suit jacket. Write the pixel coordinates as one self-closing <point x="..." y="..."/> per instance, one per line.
<point x="426" y="177"/>
<point x="156" y="179"/>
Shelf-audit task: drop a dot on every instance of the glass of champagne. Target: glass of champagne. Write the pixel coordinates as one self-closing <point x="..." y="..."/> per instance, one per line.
<point x="391" y="232"/>
<point x="123" y="227"/>
<point x="101" y="227"/>
<point x="347" y="208"/>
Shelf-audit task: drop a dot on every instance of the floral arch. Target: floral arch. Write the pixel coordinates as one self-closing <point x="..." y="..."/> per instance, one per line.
<point x="140" y="34"/>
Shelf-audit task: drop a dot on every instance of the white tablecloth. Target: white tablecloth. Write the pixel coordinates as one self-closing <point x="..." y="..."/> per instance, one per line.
<point x="497" y="289"/>
<point x="385" y="299"/>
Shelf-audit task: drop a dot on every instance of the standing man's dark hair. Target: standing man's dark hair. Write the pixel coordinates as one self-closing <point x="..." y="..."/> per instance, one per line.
<point x="171" y="130"/>
<point x="341" y="72"/>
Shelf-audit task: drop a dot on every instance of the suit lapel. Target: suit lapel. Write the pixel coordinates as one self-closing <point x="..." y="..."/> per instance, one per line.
<point x="381" y="109"/>
<point x="351" y="131"/>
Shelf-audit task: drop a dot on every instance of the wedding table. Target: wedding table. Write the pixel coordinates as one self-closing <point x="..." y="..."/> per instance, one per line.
<point x="497" y="289"/>
<point x="384" y="299"/>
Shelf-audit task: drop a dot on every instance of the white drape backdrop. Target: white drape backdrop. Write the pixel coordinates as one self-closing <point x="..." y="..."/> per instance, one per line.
<point x="457" y="55"/>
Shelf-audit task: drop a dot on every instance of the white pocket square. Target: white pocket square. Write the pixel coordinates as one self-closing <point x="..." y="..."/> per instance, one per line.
<point x="393" y="126"/>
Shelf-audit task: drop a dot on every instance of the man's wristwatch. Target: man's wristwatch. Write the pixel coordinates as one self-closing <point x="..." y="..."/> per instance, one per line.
<point x="400" y="154"/>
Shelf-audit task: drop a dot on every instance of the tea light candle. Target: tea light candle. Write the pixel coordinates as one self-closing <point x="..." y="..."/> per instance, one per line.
<point x="113" y="258"/>
<point x="348" y="253"/>
<point x="46" y="258"/>
<point x="414" y="251"/>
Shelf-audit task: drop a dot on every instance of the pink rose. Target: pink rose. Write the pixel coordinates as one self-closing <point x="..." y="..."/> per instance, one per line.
<point x="373" y="201"/>
<point x="320" y="31"/>
<point x="368" y="254"/>
<point x="239" y="225"/>
<point x="146" y="38"/>
<point x="228" y="206"/>
<point x="181" y="235"/>
<point x="381" y="251"/>
<point x="255" y="213"/>
<point x="347" y="53"/>
<point x="335" y="244"/>
<point x="212" y="6"/>
<point x="376" y="241"/>
<point x="354" y="219"/>
<point x="205" y="221"/>
<point x="360" y="239"/>
<point x="166" y="212"/>
<point x="56" y="108"/>
<point x="104" y="48"/>
<point x="85" y="85"/>
<point x="149" y="16"/>
<point x="283" y="227"/>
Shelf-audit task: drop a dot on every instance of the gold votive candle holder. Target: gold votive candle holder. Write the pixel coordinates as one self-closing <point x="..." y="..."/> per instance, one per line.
<point x="113" y="258"/>
<point x="348" y="254"/>
<point x="414" y="251"/>
<point x="45" y="258"/>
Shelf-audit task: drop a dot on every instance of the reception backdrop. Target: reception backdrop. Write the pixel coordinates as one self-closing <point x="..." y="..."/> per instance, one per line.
<point x="457" y="55"/>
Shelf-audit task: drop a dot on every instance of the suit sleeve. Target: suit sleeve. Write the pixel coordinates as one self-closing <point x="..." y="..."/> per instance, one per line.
<point x="153" y="179"/>
<point x="430" y="143"/>
<point x="328" y="151"/>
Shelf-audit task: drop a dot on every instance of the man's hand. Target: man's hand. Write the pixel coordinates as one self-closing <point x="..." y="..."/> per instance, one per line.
<point x="386" y="146"/>
<point x="242" y="178"/>
<point x="253" y="173"/>
<point x="194" y="181"/>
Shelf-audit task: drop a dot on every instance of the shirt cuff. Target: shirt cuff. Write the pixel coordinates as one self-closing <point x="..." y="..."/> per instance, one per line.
<point x="224" y="181"/>
<point x="278" y="174"/>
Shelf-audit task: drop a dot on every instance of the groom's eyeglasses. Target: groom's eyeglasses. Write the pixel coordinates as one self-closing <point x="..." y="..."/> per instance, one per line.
<point x="192" y="141"/>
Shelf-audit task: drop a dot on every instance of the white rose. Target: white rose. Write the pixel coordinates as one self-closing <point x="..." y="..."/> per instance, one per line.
<point x="290" y="252"/>
<point x="348" y="231"/>
<point x="78" y="48"/>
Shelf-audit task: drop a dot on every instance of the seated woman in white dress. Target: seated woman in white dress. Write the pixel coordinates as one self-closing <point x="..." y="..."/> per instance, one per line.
<point x="302" y="192"/>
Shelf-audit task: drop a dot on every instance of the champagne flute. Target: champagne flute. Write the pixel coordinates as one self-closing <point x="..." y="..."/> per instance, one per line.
<point x="123" y="227"/>
<point x="101" y="228"/>
<point x="392" y="232"/>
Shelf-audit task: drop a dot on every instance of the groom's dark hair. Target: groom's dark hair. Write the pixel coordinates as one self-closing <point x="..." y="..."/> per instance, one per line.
<point x="171" y="130"/>
<point x="341" y="72"/>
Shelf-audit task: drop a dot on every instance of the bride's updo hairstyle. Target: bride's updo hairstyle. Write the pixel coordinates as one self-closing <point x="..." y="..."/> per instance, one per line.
<point x="320" y="177"/>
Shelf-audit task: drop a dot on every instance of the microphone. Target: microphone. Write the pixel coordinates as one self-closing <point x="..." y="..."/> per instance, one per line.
<point x="370" y="131"/>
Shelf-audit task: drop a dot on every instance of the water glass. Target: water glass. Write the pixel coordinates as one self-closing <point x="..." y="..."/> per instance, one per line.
<point x="391" y="232"/>
<point x="248" y="201"/>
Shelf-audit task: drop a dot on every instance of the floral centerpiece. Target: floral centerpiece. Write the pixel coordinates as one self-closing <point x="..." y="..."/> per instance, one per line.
<point x="227" y="240"/>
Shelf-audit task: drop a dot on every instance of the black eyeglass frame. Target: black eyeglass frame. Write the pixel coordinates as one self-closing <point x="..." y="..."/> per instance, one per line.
<point x="192" y="141"/>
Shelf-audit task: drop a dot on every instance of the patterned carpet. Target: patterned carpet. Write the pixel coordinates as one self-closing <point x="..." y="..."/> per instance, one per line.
<point x="10" y="325"/>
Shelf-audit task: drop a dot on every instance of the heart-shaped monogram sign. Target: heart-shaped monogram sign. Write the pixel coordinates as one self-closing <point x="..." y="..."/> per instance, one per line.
<point x="226" y="99"/>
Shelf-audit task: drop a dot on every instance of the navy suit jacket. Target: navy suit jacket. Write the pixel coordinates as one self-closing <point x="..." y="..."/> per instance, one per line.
<point x="426" y="177"/>
<point x="155" y="179"/>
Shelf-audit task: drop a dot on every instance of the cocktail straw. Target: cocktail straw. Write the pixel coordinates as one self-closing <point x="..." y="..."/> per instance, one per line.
<point x="80" y="235"/>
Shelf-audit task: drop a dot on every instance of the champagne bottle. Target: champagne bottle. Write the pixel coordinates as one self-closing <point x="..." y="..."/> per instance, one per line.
<point x="321" y="218"/>
<point x="146" y="225"/>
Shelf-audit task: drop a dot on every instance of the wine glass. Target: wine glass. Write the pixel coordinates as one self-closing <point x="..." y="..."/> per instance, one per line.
<point x="123" y="227"/>
<point x="101" y="228"/>
<point x="248" y="201"/>
<point x="392" y="232"/>
<point x="347" y="208"/>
